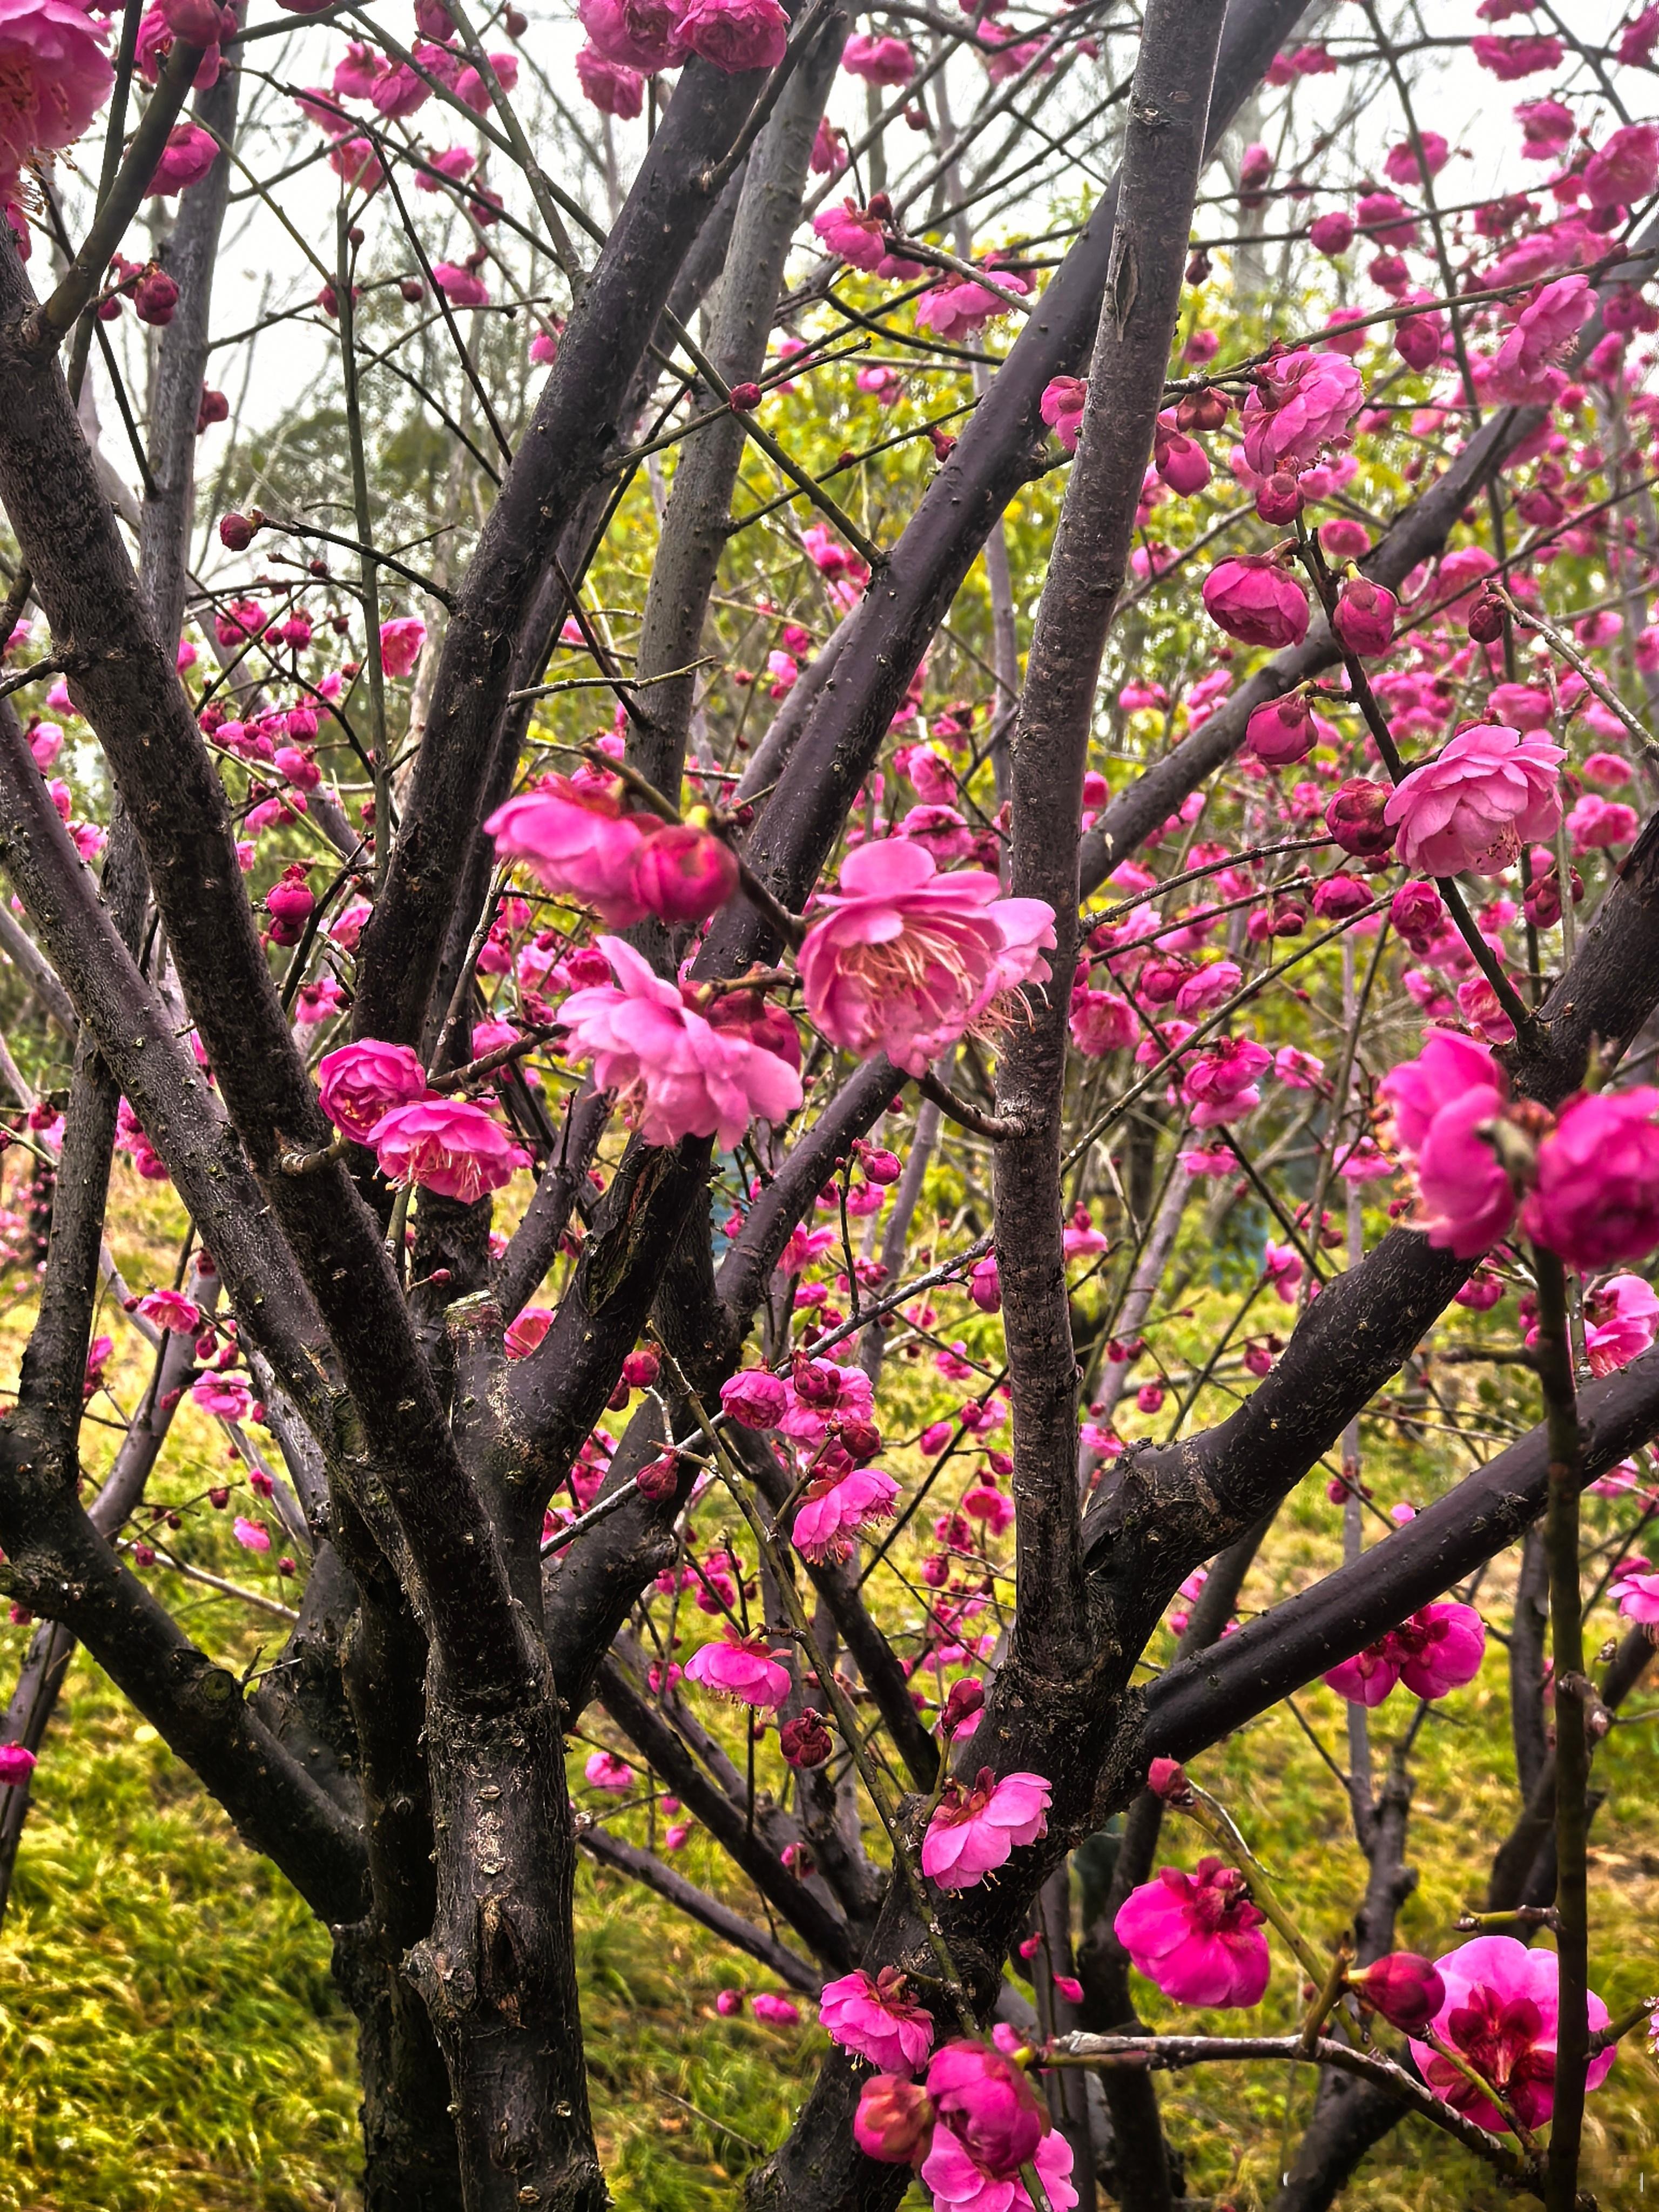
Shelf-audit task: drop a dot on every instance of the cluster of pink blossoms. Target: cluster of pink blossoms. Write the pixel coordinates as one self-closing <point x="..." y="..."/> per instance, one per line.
<point x="578" y="836"/>
<point x="1587" y="1189"/>
<point x="629" y="40"/>
<point x="376" y="1094"/>
<point x="968" y="2128"/>
<point x="1437" y="1651"/>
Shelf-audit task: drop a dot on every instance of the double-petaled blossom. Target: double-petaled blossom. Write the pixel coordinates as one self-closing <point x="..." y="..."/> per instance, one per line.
<point x="1523" y="368"/>
<point x="447" y="1145"/>
<point x="907" y="961"/>
<point x="54" y="76"/>
<point x="1220" y="1085"/>
<point x="755" y="1398"/>
<point x="1491" y="788"/>
<point x="1434" y="1652"/>
<point x="359" y="1083"/>
<point x="1442" y="1101"/>
<point x="1594" y="1201"/>
<point x="957" y="310"/>
<point x="742" y="1668"/>
<point x="1299" y="404"/>
<point x="1253" y="599"/>
<point x="821" y="1397"/>
<point x="872" y="2016"/>
<point x="1282" y="731"/>
<point x="1197" y="1936"/>
<point x="1626" y="168"/>
<point x="989" y="2123"/>
<point x="1500" y="2011"/>
<point x="604" y="1771"/>
<point x="682" y="873"/>
<point x="1061" y="408"/>
<point x="859" y="235"/>
<point x="1620" y="1316"/>
<point x="643" y="35"/>
<point x="973" y="1832"/>
<point x="578" y="839"/>
<point x="171" y="1309"/>
<point x="736" y="35"/>
<point x="185" y="159"/>
<point x="676" y="1074"/>
<point x="833" y="1513"/>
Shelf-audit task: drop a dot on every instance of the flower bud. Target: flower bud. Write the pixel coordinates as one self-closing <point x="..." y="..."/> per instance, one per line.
<point x="1167" y="1778"/>
<point x="966" y="1699"/>
<point x="894" y="2121"/>
<point x="805" y="1741"/>
<point x="212" y="407"/>
<point x="1363" y="618"/>
<point x="1338" y="897"/>
<point x="156" y="297"/>
<point x="682" y="874"/>
<point x="235" y="532"/>
<point x="1486" y="623"/>
<point x="1280" y="500"/>
<point x="1416" y="913"/>
<point x="658" y="1479"/>
<point x="743" y="398"/>
<point x="1354" y="818"/>
<point x="1282" y="731"/>
<point x="1405" y="1988"/>
<point x="640" y="1369"/>
<point x="1203" y="410"/>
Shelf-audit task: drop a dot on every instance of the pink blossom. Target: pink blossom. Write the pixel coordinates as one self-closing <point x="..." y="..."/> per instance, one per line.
<point x="1491" y="787"/>
<point x="188" y="155"/>
<point x="1440" y="1102"/>
<point x="1282" y="731"/>
<point x="1596" y="823"/>
<point x="959" y="2184"/>
<point x="16" y="1765"/>
<point x="755" y="1398"/>
<point x="1595" y="1202"/>
<point x="1101" y="1022"/>
<point x="1437" y="1651"/>
<point x="875" y="2020"/>
<point x="462" y="288"/>
<point x="819" y="1392"/>
<point x="526" y="1331"/>
<point x="677" y="1074"/>
<point x="988" y="2107"/>
<point x="1638" y="1597"/>
<point x="894" y="2121"/>
<point x="1626" y="169"/>
<point x="833" y="1513"/>
<point x="1363" y="617"/>
<point x="1447" y="1065"/>
<point x="252" y="1535"/>
<point x="401" y="640"/>
<point x="640" y="38"/>
<point x="973" y="1832"/>
<point x="776" y="2011"/>
<point x="1283" y="1266"/>
<point x="447" y="1146"/>
<point x="578" y="840"/>
<point x="1332" y="234"/>
<point x="1062" y="407"/>
<point x="171" y="1309"/>
<point x="1543" y="331"/>
<point x="360" y="1082"/>
<point x="1220" y="1084"/>
<point x="1546" y="127"/>
<point x="741" y="1668"/>
<point x="1197" y="1936"/>
<point x="55" y="77"/>
<point x="881" y="61"/>
<point x="736" y="35"/>
<point x="1254" y="599"/>
<point x="1208" y="986"/>
<point x="955" y="310"/>
<point x="858" y="236"/>
<point x="682" y="875"/>
<point x="1620" y="1316"/>
<point x="1401" y="166"/>
<point x="604" y="1771"/>
<point x="611" y="87"/>
<point x="907" y="960"/>
<point x="1511" y="58"/>
<point x="222" y="1397"/>
<point x="1301" y="402"/>
<point x="1500" y="2011"/>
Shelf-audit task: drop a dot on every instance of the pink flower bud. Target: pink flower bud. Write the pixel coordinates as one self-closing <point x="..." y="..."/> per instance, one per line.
<point x="1363" y="618"/>
<point x="743" y="398"/>
<point x="1252" y="598"/>
<point x="894" y="2121"/>
<point x="157" y="297"/>
<point x="805" y="1741"/>
<point x="966" y="1699"/>
<point x="16" y="1765"/>
<point x="682" y="875"/>
<point x="658" y="1479"/>
<point x="236" y="532"/>
<point x="1280" y="500"/>
<point x="1405" y="1988"/>
<point x="1338" y="897"/>
<point x="1354" y="818"/>
<point x="1416" y="913"/>
<point x="1167" y="1778"/>
<point x="640" y="1368"/>
<point x="1282" y="731"/>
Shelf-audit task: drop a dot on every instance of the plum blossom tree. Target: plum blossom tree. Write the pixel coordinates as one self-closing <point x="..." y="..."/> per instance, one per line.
<point x="537" y="1012"/>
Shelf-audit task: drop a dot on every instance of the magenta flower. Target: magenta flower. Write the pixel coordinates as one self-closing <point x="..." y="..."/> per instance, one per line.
<point x="1638" y="1597"/>
<point x="171" y="1310"/>
<point x="188" y="155"/>
<point x="894" y="2120"/>
<point x="1595" y="823"/>
<point x="677" y="1075"/>
<point x="1626" y="169"/>
<point x="1406" y="1988"/>
<point x="1101" y="1022"/>
<point x="524" y="1332"/>
<point x="858" y="236"/>
<point x="881" y="61"/>
<point x="401" y="642"/>
<point x="252" y="1535"/>
<point x="1620" y="1316"/>
<point x="1501" y="2007"/>
<point x="604" y="1771"/>
<point x="1596" y="1200"/>
<point x="611" y="87"/>
<point x="960" y="2184"/>
<point x="906" y="960"/>
<point x="1252" y="598"/>
<point x="822" y="1394"/>
<point x="447" y="1146"/>
<point x="16" y="1765"/>
<point x="222" y="1397"/>
<point x="756" y="1398"/>
<point x="1197" y="1936"/>
<point x="579" y="840"/>
<point x="875" y="2020"/>
<point x="832" y="1514"/>
<point x="776" y="2011"/>
<point x="1522" y="369"/>
<point x="736" y="35"/>
<point x="1437" y="1651"/>
<point x="360" y="1084"/>
<point x="1220" y="1085"/>
<point x="1363" y="617"/>
<point x="642" y="37"/>
<point x="1282" y="731"/>
<point x="741" y="1668"/>
<point x="1061" y="408"/>
<point x="56" y="74"/>
<point x="1301" y="402"/>
<point x="681" y="874"/>
<point x="973" y="1832"/>
<point x="1490" y="788"/>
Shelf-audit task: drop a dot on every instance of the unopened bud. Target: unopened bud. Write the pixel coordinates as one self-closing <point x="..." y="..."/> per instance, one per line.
<point x="1167" y="1778"/>
<point x="1405" y="1988"/>
<point x="805" y="1741"/>
<point x="743" y="398"/>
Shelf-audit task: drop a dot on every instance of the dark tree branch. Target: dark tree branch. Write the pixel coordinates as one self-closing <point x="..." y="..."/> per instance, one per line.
<point x="696" y="1905"/>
